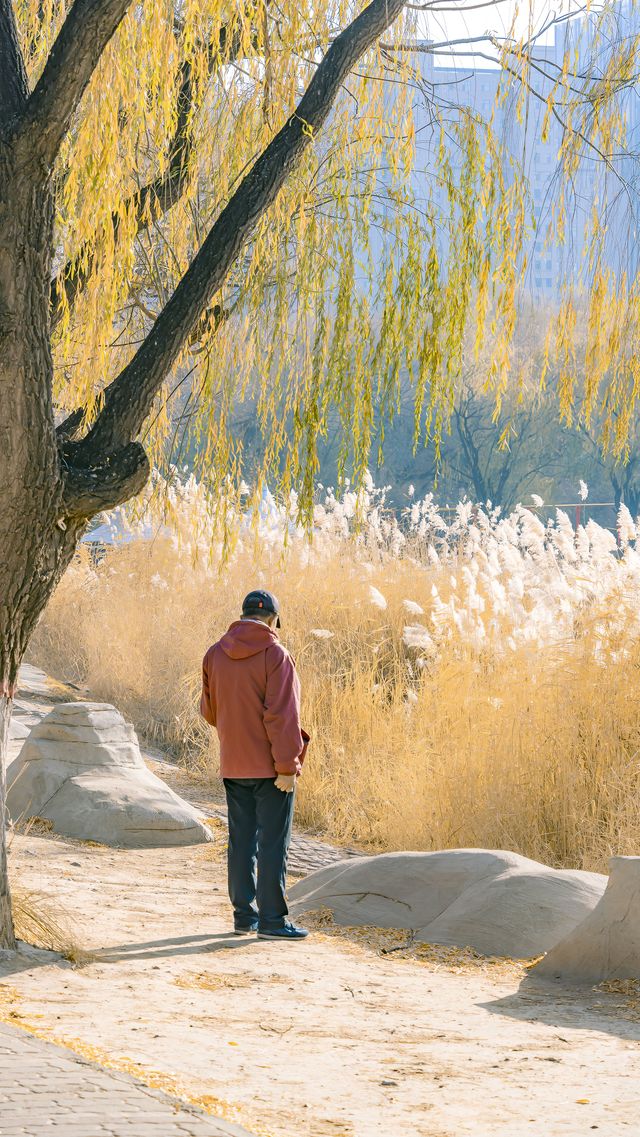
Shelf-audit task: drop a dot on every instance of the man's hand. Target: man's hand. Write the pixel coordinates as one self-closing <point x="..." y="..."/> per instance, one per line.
<point x="286" y="783"/>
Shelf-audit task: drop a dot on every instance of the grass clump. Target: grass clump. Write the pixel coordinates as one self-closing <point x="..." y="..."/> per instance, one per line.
<point x="37" y="924"/>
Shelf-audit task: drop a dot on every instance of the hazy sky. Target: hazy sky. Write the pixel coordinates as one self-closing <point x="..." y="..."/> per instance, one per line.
<point x="467" y="21"/>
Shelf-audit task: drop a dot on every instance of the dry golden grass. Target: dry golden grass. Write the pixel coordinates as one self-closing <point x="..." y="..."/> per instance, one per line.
<point x="534" y="750"/>
<point x="36" y="923"/>
<point x="216" y="850"/>
<point x="34" y="826"/>
<point x="7" y="998"/>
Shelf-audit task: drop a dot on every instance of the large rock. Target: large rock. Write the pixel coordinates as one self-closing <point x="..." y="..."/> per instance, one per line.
<point x="81" y="768"/>
<point x="606" y="945"/>
<point x="496" y="902"/>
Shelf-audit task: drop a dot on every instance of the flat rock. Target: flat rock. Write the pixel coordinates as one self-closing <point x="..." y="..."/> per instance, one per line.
<point x="496" y="902"/>
<point x="69" y="732"/>
<point x="146" y="815"/>
<point x="99" y="715"/>
<point x="18" y="729"/>
<point x="81" y="768"/>
<point x="606" y="944"/>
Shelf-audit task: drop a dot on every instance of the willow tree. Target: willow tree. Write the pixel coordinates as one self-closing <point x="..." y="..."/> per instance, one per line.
<point x="174" y="223"/>
<point x="51" y="485"/>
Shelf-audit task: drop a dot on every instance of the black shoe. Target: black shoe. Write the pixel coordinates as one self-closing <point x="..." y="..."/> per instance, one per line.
<point x="250" y="931"/>
<point x="288" y="931"/>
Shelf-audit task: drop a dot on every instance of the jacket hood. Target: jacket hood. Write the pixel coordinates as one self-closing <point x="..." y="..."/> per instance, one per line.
<point x="245" y="638"/>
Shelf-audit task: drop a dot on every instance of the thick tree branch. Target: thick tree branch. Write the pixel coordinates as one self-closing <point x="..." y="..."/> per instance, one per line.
<point x="129" y="398"/>
<point x="67" y="74"/>
<point x="70" y="428"/>
<point x="14" y="88"/>
<point x="149" y="203"/>
<point x="120" y="477"/>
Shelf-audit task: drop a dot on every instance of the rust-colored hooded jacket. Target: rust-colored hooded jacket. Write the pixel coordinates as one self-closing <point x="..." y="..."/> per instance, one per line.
<point x="251" y="694"/>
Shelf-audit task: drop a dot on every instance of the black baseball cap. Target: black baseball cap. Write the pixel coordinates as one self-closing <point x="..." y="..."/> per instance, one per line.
<point x="261" y="603"/>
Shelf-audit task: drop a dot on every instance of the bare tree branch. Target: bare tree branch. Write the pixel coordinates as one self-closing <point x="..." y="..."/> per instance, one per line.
<point x="129" y="398"/>
<point x="14" y="87"/>
<point x="67" y="74"/>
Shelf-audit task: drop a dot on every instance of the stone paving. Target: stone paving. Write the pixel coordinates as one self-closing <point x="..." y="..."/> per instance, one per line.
<point x="44" y="1089"/>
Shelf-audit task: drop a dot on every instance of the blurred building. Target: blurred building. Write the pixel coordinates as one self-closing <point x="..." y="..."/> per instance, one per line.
<point x="472" y="81"/>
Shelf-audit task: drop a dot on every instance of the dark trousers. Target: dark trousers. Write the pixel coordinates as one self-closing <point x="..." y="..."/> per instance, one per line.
<point x="260" y="818"/>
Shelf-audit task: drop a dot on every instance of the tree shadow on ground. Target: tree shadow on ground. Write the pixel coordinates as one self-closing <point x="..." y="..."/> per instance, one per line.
<point x="13" y="963"/>
<point x="579" y="1007"/>
<point x="174" y="945"/>
<point x="28" y="958"/>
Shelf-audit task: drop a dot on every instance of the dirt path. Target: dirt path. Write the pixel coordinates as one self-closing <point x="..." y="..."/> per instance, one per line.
<point x="318" y="1039"/>
<point x="321" y="1038"/>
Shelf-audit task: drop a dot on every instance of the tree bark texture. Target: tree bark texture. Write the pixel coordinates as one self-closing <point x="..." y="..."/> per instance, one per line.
<point x="14" y="88"/>
<point x="30" y="486"/>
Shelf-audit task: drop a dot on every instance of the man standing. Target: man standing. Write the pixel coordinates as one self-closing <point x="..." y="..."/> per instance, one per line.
<point x="251" y="694"/>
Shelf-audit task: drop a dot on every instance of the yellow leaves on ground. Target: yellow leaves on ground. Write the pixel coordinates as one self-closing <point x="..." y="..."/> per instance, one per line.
<point x="225" y="981"/>
<point x="629" y="1008"/>
<point x="400" y="944"/>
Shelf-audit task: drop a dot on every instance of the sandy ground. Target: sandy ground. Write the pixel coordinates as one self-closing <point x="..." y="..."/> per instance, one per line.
<point x="326" y="1038"/>
<point x="320" y="1038"/>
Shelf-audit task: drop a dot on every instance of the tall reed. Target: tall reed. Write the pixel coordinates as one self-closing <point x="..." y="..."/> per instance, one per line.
<point x="465" y="683"/>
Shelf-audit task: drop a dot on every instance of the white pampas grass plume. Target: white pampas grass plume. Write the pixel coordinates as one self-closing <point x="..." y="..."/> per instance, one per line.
<point x="377" y="598"/>
<point x="413" y="608"/>
<point x="416" y="636"/>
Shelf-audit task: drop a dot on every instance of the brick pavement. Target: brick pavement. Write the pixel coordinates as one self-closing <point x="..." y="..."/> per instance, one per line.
<point x="46" y="1090"/>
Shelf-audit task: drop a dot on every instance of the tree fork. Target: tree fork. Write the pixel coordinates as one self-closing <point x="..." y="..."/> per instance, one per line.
<point x="90" y="490"/>
<point x="76" y="52"/>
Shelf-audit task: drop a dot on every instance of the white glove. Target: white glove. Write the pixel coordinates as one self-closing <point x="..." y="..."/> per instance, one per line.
<point x="286" y="783"/>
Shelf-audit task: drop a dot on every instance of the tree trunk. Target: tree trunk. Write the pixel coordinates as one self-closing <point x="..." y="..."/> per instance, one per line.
<point x="37" y="543"/>
<point x="7" y="938"/>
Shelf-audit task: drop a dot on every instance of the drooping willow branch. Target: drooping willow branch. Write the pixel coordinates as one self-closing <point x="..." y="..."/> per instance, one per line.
<point x="130" y="396"/>
<point x="67" y="73"/>
<point x="153" y="200"/>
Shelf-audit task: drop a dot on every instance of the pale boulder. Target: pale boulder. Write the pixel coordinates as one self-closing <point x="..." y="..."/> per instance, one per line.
<point x="496" y="902"/>
<point x="606" y="945"/>
<point x="81" y="769"/>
